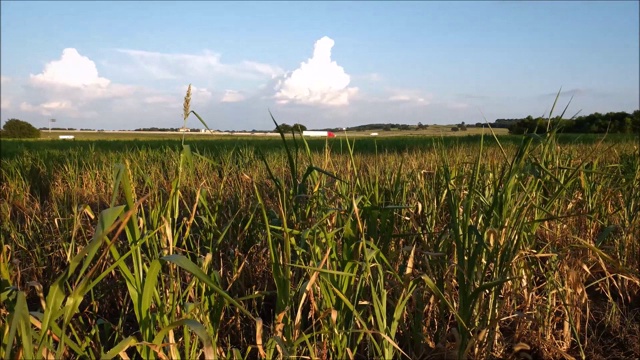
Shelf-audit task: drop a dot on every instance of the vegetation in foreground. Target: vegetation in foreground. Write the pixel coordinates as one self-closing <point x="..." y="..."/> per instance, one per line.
<point x="525" y="250"/>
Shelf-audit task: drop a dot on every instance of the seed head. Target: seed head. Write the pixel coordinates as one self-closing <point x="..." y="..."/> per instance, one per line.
<point x="187" y="103"/>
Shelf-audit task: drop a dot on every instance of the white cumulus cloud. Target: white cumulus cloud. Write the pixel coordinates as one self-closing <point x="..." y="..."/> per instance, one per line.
<point x="73" y="70"/>
<point x="232" y="96"/>
<point x="72" y="87"/>
<point x="318" y="81"/>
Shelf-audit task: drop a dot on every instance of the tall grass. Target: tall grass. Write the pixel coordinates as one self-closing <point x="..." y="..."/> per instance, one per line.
<point x="474" y="249"/>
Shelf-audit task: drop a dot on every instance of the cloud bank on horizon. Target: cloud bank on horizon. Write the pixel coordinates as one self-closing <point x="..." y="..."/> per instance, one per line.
<point x="71" y="87"/>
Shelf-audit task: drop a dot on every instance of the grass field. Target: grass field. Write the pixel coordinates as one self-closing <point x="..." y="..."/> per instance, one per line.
<point x="351" y="248"/>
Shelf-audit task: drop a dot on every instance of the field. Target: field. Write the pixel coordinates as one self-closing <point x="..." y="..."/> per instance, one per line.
<point x="433" y="130"/>
<point x="464" y="247"/>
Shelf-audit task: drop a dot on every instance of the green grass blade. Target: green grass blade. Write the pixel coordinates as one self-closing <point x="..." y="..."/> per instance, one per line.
<point x="189" y="266"/>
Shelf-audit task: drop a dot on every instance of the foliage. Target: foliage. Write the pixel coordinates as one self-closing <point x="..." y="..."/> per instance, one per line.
<point x="596" y="123"/>
<point x="299" y="128"/>
<point x="379" y="126"/>
<point x="464" y="248"/>
<point x="285" y="128"/>
<point x="19" y="129"/>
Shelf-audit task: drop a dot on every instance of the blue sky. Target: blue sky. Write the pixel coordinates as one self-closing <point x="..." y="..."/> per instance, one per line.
<point x="124" y="65"/>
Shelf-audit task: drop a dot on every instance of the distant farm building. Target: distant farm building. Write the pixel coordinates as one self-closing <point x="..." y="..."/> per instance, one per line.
<point x="66" y="137"/>
<point x="318" y="133"/>
<point x="184" y="129"/>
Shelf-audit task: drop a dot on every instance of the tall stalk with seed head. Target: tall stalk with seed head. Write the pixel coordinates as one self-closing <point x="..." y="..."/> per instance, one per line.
<point x="186" y="109"/>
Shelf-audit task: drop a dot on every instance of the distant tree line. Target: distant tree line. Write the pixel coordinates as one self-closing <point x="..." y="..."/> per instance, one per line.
<point x="286" y="128"/>
<point x="613" y="122"/>
<point x="460" y="127"/>
<point x="380" y="126"/>
<point x="161" y="129"/>
<point x="58" y="128"/>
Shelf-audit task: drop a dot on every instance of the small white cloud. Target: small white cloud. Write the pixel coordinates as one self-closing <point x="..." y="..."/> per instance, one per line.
<point x="73" y="70"/>
<point x="49" y="108"/>
<point x="262" y="69"/>
<point x="4" y="80"/>
<point x="25" y="106"/>
<point x="400" y="98"/>
<point x="319" y="81"/>
<point x="232" y="96"/>
<point x="57" y="105"/>
<point x="198" y="95"/>
<point x="410" y="96"/>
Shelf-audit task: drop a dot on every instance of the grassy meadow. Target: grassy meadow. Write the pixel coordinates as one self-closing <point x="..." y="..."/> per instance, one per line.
<point x="472" y="247"/>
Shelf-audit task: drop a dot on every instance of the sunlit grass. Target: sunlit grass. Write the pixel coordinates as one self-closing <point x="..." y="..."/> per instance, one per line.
<point x="350" y="248"/>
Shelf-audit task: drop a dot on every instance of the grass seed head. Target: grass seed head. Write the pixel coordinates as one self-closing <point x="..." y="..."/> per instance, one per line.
<point x="187" y="103"/>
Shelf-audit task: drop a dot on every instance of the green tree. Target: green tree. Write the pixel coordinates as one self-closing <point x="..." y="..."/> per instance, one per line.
<point x="299" y="128"/>
<point x="19" y="129"/>
<point x="285" y="128"/>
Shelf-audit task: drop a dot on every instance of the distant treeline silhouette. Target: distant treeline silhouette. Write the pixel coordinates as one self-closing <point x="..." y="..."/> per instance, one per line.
<point x="612" y="122"/>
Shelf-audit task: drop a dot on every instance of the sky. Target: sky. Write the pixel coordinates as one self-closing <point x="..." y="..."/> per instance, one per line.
<point x="126" y="65"/>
